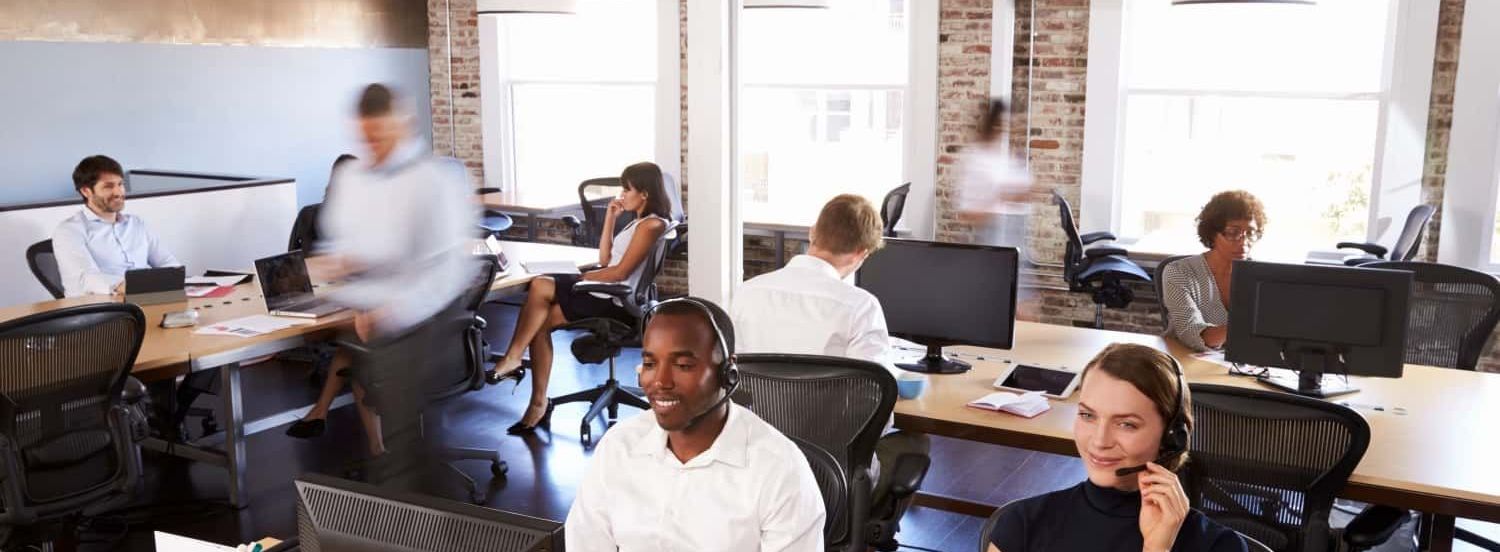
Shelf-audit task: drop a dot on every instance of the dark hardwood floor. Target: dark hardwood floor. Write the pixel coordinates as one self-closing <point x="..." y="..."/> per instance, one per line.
<point x="188" y="499"/>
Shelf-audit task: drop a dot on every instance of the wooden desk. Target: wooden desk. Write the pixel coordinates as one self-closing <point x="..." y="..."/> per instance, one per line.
<point x="168" y="353"/>
<point x="515" y="204"/>
<point x="1436" y="457"/>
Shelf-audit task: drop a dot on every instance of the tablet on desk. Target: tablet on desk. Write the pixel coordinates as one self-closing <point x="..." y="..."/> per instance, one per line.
<point x="1052" y="382"/>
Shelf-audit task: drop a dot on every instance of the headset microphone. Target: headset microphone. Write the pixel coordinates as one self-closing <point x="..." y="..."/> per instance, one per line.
<point x="1174" y="440"/>
<point x="729" y="374"/>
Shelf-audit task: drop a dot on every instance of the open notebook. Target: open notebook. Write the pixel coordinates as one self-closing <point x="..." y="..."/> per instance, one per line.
<point x="1027" y="405"/>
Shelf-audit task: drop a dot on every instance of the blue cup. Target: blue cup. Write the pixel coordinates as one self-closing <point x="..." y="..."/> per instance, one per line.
<point x="911" y="386"/>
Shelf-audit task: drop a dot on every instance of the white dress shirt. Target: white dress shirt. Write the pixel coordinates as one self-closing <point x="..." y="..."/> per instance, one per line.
<point x="93" y="255"/>
<point x="406" y="225"/>
<point x="752" y="490"/>
<point x="805" y="308"/>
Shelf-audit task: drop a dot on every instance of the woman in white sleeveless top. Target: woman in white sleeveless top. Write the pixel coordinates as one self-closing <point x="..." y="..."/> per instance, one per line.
<point x="551" y="302"/>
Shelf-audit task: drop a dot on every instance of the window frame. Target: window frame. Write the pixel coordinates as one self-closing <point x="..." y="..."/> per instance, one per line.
<point x="497" y="106"/>
<point x="1401" y="132"/>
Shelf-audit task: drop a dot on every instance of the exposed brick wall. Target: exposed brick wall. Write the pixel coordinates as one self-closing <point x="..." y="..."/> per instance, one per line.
<point x="453" y="55"/>
<point x="963" y="90"/>
<point x="1440" y="118"/>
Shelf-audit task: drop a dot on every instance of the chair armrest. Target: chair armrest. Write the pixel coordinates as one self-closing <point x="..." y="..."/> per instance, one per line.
<point x="483" y="191"/>
<point x="1092" y="237"/>
<point x="133" y="391"/>
<point x="1376" y="250"/>
<point x="612" y="289"/>
<point x="907" y="474"/>
<point x="1104" y="251"/>
<point x="1374" y="526"/>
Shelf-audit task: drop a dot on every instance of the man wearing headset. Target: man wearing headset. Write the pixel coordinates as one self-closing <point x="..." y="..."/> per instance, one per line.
<point x="700" y="472"/>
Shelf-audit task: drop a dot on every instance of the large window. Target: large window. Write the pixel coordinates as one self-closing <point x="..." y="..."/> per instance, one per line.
<point x="822" y="106"/>
<point x="1286" y="101"/>
<point x="576" y="97"/>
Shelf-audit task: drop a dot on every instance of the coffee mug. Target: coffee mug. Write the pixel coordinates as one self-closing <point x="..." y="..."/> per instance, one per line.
<point x="910" y="385"/>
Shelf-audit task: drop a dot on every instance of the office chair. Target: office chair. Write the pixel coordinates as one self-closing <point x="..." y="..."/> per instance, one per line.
<point x="891" y="208"/>
<point x="68" y="445"/>
<point x="594" y="196"/>
<point x="840" y="405"/>
<point x="43" y="264"/>
<point x="1452" y="314"/>
<point x="305" y="228"/>
<point x="445" y="356"/>
<point x="1158" y="282"/>
<point x="1267" y="464"/>
<point x="492" y="222"/>
<point x="604" y="337"/>
<point x="831" y="484"/>
<point x="1101" y="271"/>
<point x="1406" y="244"/>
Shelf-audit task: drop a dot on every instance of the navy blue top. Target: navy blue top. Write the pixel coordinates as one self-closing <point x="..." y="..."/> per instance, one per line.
<point x="1090" y="517"/>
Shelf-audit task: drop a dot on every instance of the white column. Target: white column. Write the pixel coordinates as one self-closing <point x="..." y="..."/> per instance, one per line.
<point x="715" y="236"/>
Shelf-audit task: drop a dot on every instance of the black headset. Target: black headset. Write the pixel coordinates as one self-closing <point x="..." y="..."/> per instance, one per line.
<point x="729" y="374"/>
<point x="1174" y="440"/>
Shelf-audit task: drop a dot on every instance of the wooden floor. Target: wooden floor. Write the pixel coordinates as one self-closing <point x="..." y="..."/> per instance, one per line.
<point x="188" y="499"/>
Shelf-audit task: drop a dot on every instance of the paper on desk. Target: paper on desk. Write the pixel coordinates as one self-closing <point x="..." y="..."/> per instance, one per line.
<point x="219" y="281"/>
<point x="551" y="267"/>
<point x="250" y="326"/>
<point x="207" y="291"/>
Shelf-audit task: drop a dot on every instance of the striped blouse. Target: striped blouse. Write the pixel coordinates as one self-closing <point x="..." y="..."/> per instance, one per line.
<point x="1192" y="301"/>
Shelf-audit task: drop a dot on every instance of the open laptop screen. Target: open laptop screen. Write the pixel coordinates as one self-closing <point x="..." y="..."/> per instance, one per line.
<point x="283" y="279"/>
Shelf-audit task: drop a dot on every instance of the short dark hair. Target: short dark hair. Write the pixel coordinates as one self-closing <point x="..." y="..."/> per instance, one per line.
<point x="994" y="117"/>
<point x="88" y="171"/>
<point x="377" y="100"/>
<point x="1228" y="206"/>
<point x="646" y="177"/>
<point x="720" y="317"/>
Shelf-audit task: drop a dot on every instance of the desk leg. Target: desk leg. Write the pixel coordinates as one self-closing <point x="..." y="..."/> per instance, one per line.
<point x="780" y="238"/>
<point x="234" y="434"/>
<point x="531" y="223"/>
<point x="1436" y="533"/>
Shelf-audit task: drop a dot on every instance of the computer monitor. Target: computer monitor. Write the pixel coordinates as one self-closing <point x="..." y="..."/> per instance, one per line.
<point x="337" y="515"/>
<point x="941" y="294"/>
<point x="1318" y="320"/>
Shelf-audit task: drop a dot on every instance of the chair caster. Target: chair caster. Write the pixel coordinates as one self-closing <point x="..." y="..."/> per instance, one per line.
<point x="499" y="468"/>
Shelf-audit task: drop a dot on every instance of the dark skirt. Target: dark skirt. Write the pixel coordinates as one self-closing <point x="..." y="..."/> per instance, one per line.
<point x="578" y="306"/>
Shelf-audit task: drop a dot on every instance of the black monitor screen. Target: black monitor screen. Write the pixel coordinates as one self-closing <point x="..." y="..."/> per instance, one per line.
<point x="1320" y="313"/>
<point x="943" y="293"/>
<point x="1358" y="313"/>
<point x="283" y="278"/>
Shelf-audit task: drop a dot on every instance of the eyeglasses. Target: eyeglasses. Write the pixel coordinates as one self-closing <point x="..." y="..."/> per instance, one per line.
<point x="1239" y="234"/>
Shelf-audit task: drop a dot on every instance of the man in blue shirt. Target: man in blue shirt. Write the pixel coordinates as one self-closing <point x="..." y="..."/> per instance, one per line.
<point x="96" y="245"/>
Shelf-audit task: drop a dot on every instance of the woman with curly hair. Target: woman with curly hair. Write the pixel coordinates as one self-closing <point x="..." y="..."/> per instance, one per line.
<point x="1195" y="290"/>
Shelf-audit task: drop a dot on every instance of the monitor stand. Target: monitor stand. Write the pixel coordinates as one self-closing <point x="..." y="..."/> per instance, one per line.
<point x="935" y="363"/>
<point x="1309" y="380"/>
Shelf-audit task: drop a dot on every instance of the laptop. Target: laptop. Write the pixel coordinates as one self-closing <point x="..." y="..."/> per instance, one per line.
<point x="287" y="288"/>
<point x="154" y="286"/>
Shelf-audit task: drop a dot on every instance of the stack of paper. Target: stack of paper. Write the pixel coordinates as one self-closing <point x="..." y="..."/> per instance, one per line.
<point x="1026" y="405"/>
<point x="250" y="326"/>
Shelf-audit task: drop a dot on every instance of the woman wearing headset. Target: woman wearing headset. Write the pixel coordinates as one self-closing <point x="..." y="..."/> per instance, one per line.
<point x="1134" y="416"/>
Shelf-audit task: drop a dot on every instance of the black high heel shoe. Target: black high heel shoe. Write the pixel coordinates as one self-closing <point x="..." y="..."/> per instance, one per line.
<point x="520" y="428"/>
<point x="307" y="429"/>
<point x="493" y="377"/>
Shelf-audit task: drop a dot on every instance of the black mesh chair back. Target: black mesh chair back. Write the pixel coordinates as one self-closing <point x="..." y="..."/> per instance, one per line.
<point x="304" y="229"/>
<point x="645" y="293"/>
<point x="458" y="355"/>
<point x="1410" y="240"/>
<point x="43" y="264"/>
<point x="594" y="196"/>
<point x="1453" y="311"/>
<point x="1073" y="248"/>
<point x="1156" y="280"/>
<point x="891" y="208"/>
<point x="831" y="483"/>
<point x="989" y="525"/>
<point x="68" y="436"/>
<point x="1267" y="464"/>
<point x="839" y="404"/>
<point x="335" y="515"/>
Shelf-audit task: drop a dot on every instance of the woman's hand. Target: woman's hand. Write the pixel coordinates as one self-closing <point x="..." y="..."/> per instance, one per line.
<point x="1163" y="507"/>
<point x="614" y="209"/>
